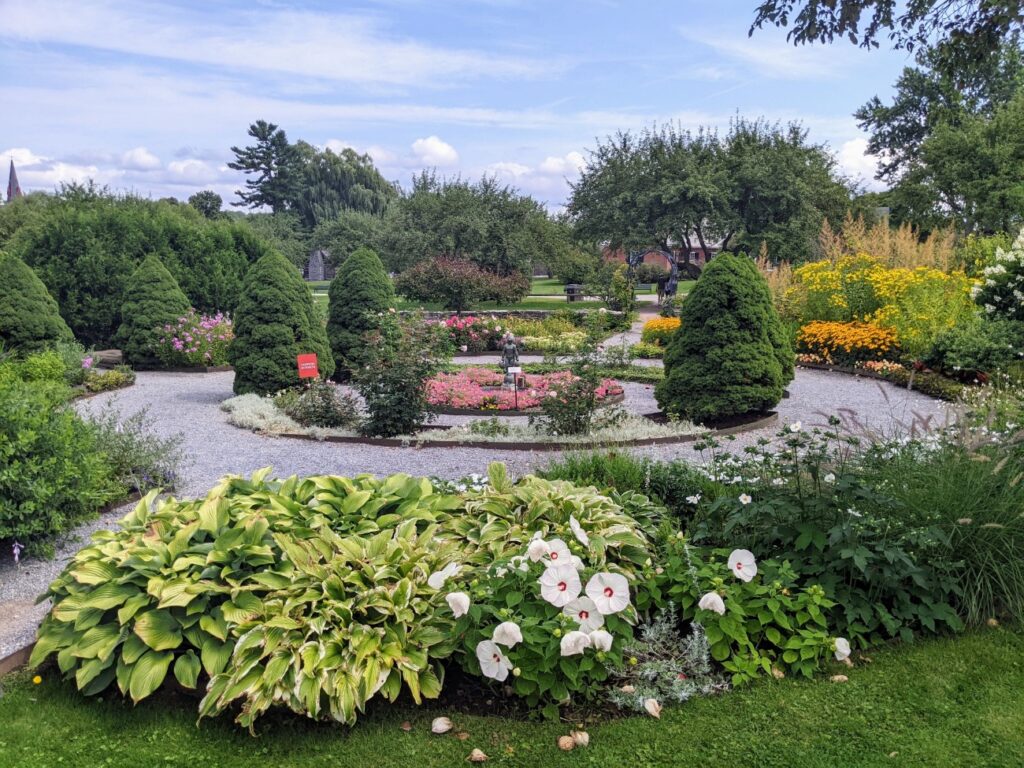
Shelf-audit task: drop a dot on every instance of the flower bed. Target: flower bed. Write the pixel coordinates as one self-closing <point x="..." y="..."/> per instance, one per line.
<point x="560" y="333"/>
<point x="659" y="330"/>
<point x="847" y="343"/>
<point x="479" y="389"/>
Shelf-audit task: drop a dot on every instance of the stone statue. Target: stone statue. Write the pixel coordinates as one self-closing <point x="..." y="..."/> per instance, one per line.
<point x="509" y="358"/>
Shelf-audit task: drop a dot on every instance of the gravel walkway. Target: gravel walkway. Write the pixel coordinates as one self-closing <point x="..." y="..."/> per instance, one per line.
<point x="188" y="404"/>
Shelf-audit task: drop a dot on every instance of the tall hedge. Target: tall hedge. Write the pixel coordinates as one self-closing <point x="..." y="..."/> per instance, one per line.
<point x="85" y="246"/>
<point x="360" y="292"/>
<point x="29" y="318"/>
<point x="731" y="356"/>
<point x="275" y="322"/>
<point x="152" y="300"/>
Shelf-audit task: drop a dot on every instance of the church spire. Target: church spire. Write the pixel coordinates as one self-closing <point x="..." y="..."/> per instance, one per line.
<point x="13" y="187"/>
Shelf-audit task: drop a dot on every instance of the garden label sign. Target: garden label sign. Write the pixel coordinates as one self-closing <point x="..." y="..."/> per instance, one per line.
<point x="307" y="366"/>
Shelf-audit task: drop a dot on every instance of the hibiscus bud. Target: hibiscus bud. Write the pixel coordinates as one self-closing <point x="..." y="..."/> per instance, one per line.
<point x="517" y="672"/>
<point x="566" y="743"/>
<point x="633" y="661"/>
<point x="582" y="738"/>
<point x="440" y="725"/>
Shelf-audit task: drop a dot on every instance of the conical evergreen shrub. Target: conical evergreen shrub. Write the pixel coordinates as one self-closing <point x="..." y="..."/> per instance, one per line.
<point x="152" y="299"/>
<point x="275" y="322"/>
<point x="730" y="356"/>
<point x="359" y="294"/>
<point x="29" y="318"/>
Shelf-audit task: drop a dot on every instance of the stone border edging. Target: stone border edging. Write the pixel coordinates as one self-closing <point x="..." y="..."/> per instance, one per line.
<point x="847" y="370"/>
<point x="195" y="369"/>
<point x="16" y="659"/>
<point x="391" y="442"/>
<point x="86" y="395"/>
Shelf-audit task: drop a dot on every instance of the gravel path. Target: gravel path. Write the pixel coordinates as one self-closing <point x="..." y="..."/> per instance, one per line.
<point x="188" y="404"/>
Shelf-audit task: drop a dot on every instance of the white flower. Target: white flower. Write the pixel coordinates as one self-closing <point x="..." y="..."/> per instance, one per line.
<point x="537" y="549"/>
<point x="508" y="634"/>
<point x="601" y="640"/>
<point x="854" y="512"/>
<point x="778" y="481"/>
<point x="578" y="532"/>
<point x="584" y="610"/>
<point x="558" y="552"/>
<point x="440" y="725"/>
<point x="574" y="642"/>
<point x="437" y="579"/>
<point x="560" y="585"/>
<point x="576" y="563"/>
<point x="609" y="591"/>
<point x="745" y="499"/>
<point x="712" y="601"/>
<point x="796" y="426"/>
<point x="742" y="564"/>
<point x="458" y="602"/>
<point x="829" y="478"/>
<point x="493" y="663"/>
<point x="695" y="499"/>
<point x="842" y="649"/>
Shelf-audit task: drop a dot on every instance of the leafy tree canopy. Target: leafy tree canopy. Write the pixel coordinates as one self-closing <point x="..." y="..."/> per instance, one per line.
<point x="760" y="182"/>
<point x="485" y="222"/>
<point x="273" y="163"/>
<point x="973" y="28"/>
<point x="207" y="203"/>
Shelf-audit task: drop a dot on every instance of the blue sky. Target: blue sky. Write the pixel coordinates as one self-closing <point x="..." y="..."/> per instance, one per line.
<point x="149" y="96"/>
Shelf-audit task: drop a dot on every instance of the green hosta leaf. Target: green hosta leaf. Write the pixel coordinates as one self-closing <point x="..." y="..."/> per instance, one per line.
<point x="159" y="630"/>
<point x="108" y="596"/>
<point x="215" y="656"/>
<point x="148" y="674"/>
<point x="95" y="572"/>
<point x="214" y="623"/>
<point x="98" y="642"/>
<point x="351" y="503"/>
<point x="186" y="669"/>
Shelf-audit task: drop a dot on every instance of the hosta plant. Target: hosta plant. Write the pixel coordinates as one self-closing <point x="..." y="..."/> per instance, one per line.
<point x="309" y="593"/>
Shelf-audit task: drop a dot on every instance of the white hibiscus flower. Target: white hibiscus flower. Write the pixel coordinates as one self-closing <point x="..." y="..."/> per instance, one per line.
<point x="742" y="564"/>
<point x="458" y="602"/>
<point x="493" y="663"/>
<point x="560" y="585"/>
<point x="578" y="532"/>
<point x="584" y="610"/>
<point x="609" y="591"/>
<point x="508" y="634"/>
<point x="574" y="643"/>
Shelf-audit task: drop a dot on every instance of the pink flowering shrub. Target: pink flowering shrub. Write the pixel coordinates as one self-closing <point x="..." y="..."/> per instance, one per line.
<point x="473" y="334"/>
<point x="480" y="389"/>
<point x="195" y="340"/>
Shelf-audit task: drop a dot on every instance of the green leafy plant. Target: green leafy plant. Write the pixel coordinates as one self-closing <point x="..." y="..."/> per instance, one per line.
<point x="406" y="353"/>
<point x="274" y="323"/>
<point x="318" y="404"/>
<point x="152" y="299"/>
<point x="314" y="594"/>
<point x="52" y="474"/>
<point x="103" y="381"/>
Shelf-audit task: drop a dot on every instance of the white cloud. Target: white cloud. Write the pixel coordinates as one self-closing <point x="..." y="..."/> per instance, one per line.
<point x="854" y="159"/>
<point x="509" y="170"/>
<point x="329" y="45"/>
<point x="567" y="165"/>
<point x="38" y="172"/>
<point x="435" y="151"/>
<point x="770" y="56"/>
<point x="191" y="170"/>
<point x="140" y="159"/>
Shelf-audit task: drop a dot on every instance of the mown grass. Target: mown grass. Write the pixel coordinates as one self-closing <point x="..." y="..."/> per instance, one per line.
<point x="948" y="702"/>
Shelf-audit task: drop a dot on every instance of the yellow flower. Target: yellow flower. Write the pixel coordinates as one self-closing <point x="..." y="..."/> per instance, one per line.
<point x="37" y="680"/>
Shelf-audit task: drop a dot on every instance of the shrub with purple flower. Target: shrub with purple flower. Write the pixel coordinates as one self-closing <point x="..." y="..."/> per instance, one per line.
<point x="195" y="340"/>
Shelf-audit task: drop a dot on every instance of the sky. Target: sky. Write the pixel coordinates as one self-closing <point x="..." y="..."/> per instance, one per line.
<point x="148" y="97"/>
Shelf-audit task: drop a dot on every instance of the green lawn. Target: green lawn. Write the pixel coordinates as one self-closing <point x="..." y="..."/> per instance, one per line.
<point x="551" y="286"/>
<point x="935" y="703"/>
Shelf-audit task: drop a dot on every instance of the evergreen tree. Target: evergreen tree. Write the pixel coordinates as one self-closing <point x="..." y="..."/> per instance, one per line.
<point x="275" y="322"/>
<point x="730" y="356"/>
<point x="29" y="318"/>
<point x="152" y="299"/>
<point x="275" y="163"/>
<point x="359" y="295"/>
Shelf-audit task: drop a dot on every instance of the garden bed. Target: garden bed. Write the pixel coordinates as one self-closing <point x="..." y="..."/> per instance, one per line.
<point x="186" y="369"/>
<point x="477" y="391"/>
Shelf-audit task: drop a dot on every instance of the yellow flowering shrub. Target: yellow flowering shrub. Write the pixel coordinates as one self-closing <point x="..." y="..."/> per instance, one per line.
<point x="917" y="304"/>
<point x="659" y="330"/>
<point x="847" y="343"/>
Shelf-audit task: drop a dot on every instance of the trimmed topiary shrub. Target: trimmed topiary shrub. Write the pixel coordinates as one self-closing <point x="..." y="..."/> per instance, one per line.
<point x="152" y="300"/>
<point x="359" y="294"/>
<point x="731" y="356"/>
<point x="29" y="318"/>
<point x="275" y="322"/>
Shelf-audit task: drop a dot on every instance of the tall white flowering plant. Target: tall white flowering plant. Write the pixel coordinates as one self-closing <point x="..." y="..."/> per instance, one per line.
<point x="1001" y="290"/>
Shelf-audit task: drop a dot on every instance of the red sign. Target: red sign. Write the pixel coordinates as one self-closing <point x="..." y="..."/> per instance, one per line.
<point x="307" y="366"/>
